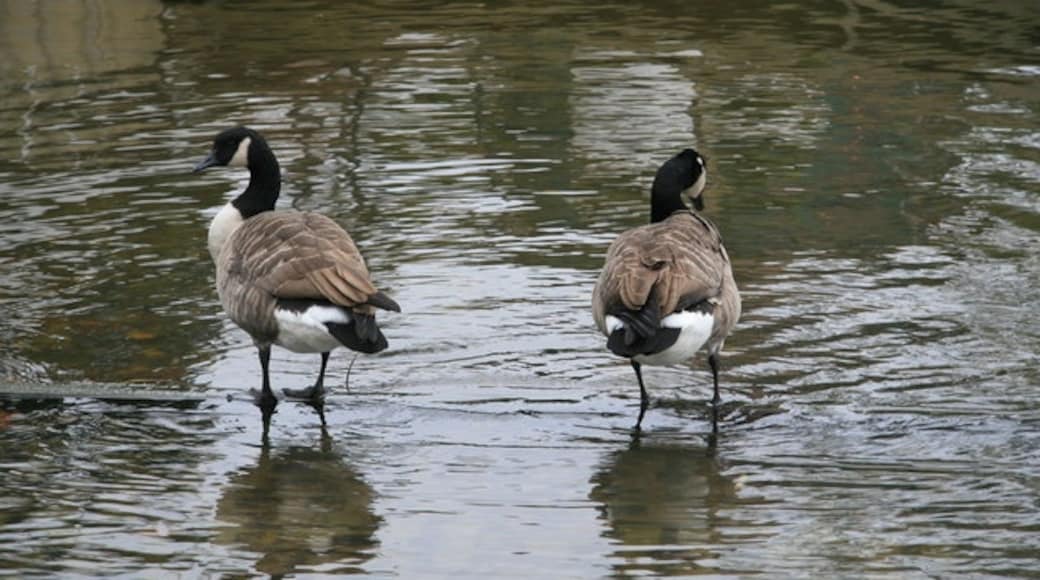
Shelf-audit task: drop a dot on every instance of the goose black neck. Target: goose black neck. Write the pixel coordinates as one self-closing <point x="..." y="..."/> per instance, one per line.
<point x="665" y="199"/>
<point x="265" y="180"/>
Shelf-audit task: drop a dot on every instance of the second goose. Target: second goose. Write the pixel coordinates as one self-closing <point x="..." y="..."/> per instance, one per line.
<point x="666" y="290"/>
<point x="294" y="279"/>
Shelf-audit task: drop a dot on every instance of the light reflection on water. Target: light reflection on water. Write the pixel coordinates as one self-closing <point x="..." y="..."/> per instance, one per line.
<point x="874" y="170"/>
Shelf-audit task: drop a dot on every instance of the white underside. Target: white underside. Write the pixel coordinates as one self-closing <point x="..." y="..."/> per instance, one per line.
<point x="220" y="229"/>
<point x="305" y="331"/>
<point x="696" y="330"/>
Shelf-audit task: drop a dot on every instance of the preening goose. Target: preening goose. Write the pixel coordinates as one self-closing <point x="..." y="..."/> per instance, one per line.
<point x="667" y="289"/>
<point x="289" y="278"/>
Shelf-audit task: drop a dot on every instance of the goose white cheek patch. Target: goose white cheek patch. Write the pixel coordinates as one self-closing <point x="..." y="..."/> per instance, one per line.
<point x="697" y="187"/>
<point x="241" y="156"/>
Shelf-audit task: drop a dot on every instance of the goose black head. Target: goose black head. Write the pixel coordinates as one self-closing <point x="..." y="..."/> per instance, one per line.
<point x="233" y="147"/>
<point x="244" y="147"/>
<point x="682" y="176"/>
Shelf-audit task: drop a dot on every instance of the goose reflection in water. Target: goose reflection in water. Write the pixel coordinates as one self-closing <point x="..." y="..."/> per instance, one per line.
<point x="301" y="509"/>
<point x="665" y="505"/>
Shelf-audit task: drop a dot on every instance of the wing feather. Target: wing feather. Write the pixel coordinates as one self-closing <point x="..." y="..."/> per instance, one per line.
<point x="300" y="255"/>
<point x="680" y="260"/>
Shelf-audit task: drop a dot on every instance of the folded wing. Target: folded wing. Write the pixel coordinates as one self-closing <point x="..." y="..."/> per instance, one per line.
<point x="300" y="255"/>
<point x="655" y="270"/>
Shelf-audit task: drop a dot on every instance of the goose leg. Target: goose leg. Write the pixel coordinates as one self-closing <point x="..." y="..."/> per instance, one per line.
<point x="315" y="394"/>
<point x="644" y="400"/>
<point x="264" y="398"/>
<point x="716" y="400"/>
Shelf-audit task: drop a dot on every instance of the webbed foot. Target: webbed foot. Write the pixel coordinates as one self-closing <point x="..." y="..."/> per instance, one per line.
<point x="313" y="396"/>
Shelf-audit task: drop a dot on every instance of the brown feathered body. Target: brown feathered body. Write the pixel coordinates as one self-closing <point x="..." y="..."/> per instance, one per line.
<point x="678" y="264"/>
<point x="280" y="258"/>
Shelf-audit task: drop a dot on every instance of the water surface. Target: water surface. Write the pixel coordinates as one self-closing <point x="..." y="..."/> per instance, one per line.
<point x="874" y="167"/>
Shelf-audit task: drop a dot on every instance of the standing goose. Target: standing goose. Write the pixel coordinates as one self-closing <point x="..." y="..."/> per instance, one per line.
<point x="667" y="289"/>
<point x="289" y="278"/>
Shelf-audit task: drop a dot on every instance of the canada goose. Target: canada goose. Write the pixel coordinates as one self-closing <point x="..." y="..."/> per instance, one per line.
<point x="289" y="278"/>
<point x="667" y="289"/>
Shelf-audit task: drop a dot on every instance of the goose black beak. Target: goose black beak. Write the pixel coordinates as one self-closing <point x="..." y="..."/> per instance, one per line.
<point x="207" y="162"/>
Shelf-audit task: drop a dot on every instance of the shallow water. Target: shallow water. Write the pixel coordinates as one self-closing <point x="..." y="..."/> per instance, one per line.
<point x="875" y="169"/>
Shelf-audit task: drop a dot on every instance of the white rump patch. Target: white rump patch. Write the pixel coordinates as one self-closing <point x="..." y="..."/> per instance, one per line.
<point x="696" y="330"/>
<point x="224" y="223"/>
<point x="305" y="331"/>
<point x="241" y="156"/>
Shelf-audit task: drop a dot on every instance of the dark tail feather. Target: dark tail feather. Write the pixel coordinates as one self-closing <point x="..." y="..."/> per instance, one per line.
<point x="642" y="333"/>
<point x="642" y="323"/>
<point x="656" y="342"/>
<point x="380" y="300"/>
<point x="361" y="334"/>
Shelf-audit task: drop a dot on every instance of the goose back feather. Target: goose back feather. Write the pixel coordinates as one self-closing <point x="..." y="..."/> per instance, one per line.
<point x="292" y="255"/>
<point x="670" y="266"/>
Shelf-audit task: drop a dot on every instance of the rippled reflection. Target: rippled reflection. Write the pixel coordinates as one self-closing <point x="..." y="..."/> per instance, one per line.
<point x="668" y="506"/>
<point x="875" y="168"/>
<point x="84" y="483"/>
<point x="302" y="510"/>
